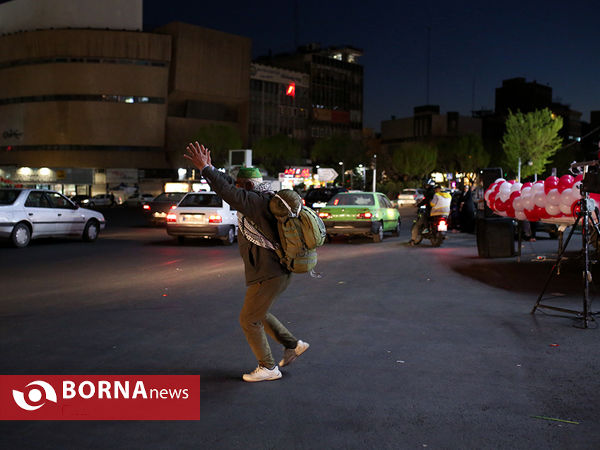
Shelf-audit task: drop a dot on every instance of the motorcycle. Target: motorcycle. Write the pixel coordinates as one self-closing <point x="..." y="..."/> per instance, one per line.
<point x="432" y="228"/>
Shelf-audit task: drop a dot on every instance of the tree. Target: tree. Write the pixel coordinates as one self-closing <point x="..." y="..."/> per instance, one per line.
<point x="332" y="150"/>
<point x="275" y="152"/>
<point x="219" y="139"/>
<point x="532" y="138"/>
<point x="414" y="159"/>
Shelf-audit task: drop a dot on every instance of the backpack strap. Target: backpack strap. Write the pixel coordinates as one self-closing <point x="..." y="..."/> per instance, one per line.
<point x="288" y="207"/>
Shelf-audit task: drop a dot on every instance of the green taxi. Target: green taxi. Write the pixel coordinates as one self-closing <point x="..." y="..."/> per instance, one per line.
<point x="360" y="213"/>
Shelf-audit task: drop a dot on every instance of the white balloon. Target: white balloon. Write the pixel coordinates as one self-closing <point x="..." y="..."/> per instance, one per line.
<point x="518" y="204"/>
<point x="520" y="215"/>
<point x="538" y="188"/>
<point x="499" y="180"/>
<point x="553" y="197"/>
<point x="565" y="209"/>
<point x="504" y="194"/>
<point x="553" y="210"/>
<point x="528" y="202"/>
<point x="526" y="192"/>
<point x="516" y="187"/>
<point x="540" y="199"/>
<point x="566" y="197"/>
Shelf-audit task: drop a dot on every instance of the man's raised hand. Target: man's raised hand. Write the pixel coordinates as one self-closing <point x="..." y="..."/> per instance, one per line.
<point x="198" y="155"/>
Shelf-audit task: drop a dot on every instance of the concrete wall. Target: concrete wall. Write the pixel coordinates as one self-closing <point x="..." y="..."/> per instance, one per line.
<point x="95" y="63"/>
<point x="27" y="15"/>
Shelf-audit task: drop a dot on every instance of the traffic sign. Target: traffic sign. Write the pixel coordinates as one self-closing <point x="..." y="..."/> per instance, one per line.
<point x="326" y="174"/>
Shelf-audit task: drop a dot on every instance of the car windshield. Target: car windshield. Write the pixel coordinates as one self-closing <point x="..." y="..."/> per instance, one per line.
<point x="169" y="197"/>
<point x="211" y="200"/>
<point x="319" y="195"/>
<point x="8" y="196"/>
<point x="352" y="200"/>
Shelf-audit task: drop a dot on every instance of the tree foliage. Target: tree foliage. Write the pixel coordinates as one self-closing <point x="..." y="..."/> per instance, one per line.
<point x="532" y="137"/>
<point x="414" y="159"/>
<point x="275" y="152"/>
<point x="330" y="151"/>
<point x="219" y="139"/>
<point x="464" y="154"/>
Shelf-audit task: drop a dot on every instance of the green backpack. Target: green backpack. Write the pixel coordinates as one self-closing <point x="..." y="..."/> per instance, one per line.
<point x="301" y="231"/>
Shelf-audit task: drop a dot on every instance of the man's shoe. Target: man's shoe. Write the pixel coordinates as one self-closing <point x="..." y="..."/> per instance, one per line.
<point x="290" y="354"/>
<point x="262" y="374"/>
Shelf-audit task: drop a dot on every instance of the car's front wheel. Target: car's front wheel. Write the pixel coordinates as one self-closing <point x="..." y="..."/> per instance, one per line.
<point x="91" y="231"/>
<point x="21" y="235"/>
<point x="378" y="233"/>
<point x="230" y="237"/>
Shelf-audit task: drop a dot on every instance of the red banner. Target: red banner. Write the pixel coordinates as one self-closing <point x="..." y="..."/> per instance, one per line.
<point x="99" y="397"/>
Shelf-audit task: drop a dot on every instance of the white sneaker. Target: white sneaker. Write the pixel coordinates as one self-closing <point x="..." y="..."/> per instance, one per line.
<point x="290" y="354"/>
<point x="262" y="374"/>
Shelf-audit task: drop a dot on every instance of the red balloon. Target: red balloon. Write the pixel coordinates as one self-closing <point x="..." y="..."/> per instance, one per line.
<point x="499" y="205"/>
<point x="530" y="214"/>
<point x="528" y="184"/>
<point x="511" y="181"/>
<point x="513" y="196"/>
<point x="578" y="178"/>
<point x="510" y="211"/>
<point x="550" y="183"/>
<point x="491" y="200"/>
<point x="565" y="182"/>
<point x="541" y="212"/>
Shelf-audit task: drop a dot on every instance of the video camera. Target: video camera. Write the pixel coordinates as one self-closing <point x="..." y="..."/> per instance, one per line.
<point x="591" y="175"/>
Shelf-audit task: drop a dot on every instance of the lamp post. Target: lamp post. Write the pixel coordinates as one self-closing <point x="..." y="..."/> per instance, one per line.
<point x="374" y="171"/>
<point x="343" y="172"/>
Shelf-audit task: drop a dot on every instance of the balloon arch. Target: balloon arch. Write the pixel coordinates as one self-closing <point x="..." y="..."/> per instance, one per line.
<point x="552" y="200"/>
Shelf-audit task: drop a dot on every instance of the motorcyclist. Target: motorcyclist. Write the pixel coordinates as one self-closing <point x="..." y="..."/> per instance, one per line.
<point x="436" y="202"/>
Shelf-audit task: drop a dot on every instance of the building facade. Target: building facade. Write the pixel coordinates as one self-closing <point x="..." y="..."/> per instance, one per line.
<point x="428" y="124"/>
<point x="336" y="87"/>
<point x="88" y="100"/>
<point x="279" y="103"/>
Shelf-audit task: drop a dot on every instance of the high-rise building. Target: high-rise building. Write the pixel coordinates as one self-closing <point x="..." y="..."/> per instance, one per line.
<point x="279" y="103"/>
<point x="336" y="87"/>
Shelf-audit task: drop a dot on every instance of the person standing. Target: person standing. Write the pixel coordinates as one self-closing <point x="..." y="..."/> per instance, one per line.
<point x="266" y="277"/>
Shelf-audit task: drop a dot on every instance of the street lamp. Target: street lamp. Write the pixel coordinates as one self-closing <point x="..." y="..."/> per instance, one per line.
<point x="343" y="171"/>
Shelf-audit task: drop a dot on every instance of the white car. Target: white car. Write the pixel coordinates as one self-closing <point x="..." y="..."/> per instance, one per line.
<point x="138" y="200"/>
<point x="27" y="214"/>
<point x="203" y="214"/>
<point x="99" y="200"/>
<point x="410" y="196"/>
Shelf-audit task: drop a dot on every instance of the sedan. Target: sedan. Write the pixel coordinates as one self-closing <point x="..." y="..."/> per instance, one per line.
<point x="138" y="200"/>
<point x="203" y="214"/>
<point x="318" y="197"/>
<point x="410" y="196"/>
<point x="158" y="208"/>
<point x="360" y="213"/>
<point x="27" y="214"/>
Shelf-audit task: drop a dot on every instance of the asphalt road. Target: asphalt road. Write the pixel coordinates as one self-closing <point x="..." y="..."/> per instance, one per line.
<point x="410" y="347"/>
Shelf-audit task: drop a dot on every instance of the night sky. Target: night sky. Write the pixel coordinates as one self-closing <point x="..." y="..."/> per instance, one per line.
<point x="474" y="45"/>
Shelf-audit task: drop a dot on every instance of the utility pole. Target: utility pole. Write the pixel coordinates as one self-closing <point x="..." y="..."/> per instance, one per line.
<point x="428" y="64"/>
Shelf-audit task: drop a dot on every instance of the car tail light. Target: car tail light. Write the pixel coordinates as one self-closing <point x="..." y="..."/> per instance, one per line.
<point x="146" y="207"/>
<point x="442" y="225"/>
<point x="304" y="202"/>
<point x="215" y="219"/>
<point x="171" y="218"/>
<point x="173" y="207"/>
<point x="364" y="215"/>
<point x="324" y="215"/>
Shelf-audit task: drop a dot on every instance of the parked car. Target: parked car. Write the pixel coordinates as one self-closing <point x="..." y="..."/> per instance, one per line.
<point x="158" y="208"/>
<point x="99" y="200"/>
<point x="138" y="200"/>
<point x="27" y="214"/>
<point x="410" y="196"/>
<point x="360" y="213"/>
<point x="79" y="199"/>
<point x="318" y="197"/>
<point x="203" y="214"/>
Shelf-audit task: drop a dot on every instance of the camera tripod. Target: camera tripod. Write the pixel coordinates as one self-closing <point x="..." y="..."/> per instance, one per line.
<point x="584" y="216"/>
